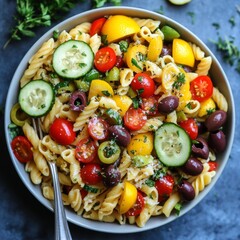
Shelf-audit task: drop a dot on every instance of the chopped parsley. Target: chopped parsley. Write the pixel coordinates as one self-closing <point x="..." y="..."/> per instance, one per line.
<point x="135" y="63"/>
<point x="179" y="81"/>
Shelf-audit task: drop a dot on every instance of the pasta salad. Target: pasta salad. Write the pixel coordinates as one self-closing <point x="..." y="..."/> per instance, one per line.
<point x="129" y="114"/>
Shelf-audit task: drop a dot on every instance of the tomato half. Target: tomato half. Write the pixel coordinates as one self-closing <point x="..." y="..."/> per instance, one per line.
<point x="62" y="132"/>
<point x="105" y="59"/>
<point x="143" y="84"/>
<point x="91" y="173"/>
<point x="164" y="187"/>
<point x="98" y="128"/>
<point x="201" y="88"/>
<point x="22" y="149"/>
<point x="212" y="166"/>
<point x="96" y="26"/>
<point x="191" y="127"/>
<point x="150" y="105"/>
<point x="86" y="150"/>
<point x="137" y="207"/>
<point x="134" y="119"/>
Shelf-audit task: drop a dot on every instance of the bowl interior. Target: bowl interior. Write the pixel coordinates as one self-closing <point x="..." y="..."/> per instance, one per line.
<point x="218" y="76"/>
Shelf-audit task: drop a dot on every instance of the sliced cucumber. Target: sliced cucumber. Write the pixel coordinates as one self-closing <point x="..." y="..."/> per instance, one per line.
<point x="73" y="59"/>
<point x="172" y="144"/>
<point x="36" y="98"/>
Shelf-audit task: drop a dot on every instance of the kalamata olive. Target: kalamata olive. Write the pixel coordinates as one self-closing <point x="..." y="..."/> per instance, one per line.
<point x="201" y="128"/>
<point x="193" y="166"/>
<point x="78" y="101"/>
<point x="200" y="148"/>
<point x="111" y="176"/>
<point x="215" y="120"/>
<point x="217" y="141"/>
<point x="187" y="69"/>
<point x="168" y="104"/>
<point x="120" y="134"/>
<point x="186" y="190"/>
<point x="166" y="50"/>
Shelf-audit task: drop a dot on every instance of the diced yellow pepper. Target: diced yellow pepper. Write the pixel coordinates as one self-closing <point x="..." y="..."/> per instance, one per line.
<point x="206" y="107"/>
<point x="135" y="57"/>
<point x="123" y="102"/>
<point x="100" y="88"/>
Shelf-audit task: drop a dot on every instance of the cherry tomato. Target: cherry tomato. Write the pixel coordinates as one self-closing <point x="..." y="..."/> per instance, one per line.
<point x="191" y="127"/>
<point x="98" y="128"/>
<point x="201" y="88"/>
<point x="62" y="132"/>
<point x="83" y="193"/>
<point x="212" y="166"/>
<point x="137" y="207"/>
<point x="91" y="173"/>
<point x="150" y="105"/>
<point x="86" y="150"/>
<point x="105" y="59"/>
<point x="164" y="187"/>
<point x="96" y="26"/>
<point x="143" y="84"/>
<point x="134" y="119"/>
<point x="22" y="149"/>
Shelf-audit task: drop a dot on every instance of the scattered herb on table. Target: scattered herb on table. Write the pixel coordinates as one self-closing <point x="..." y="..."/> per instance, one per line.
<point x="192" y="15"/>
<point x="31" y="14"/>
<point x="230" y="52"/>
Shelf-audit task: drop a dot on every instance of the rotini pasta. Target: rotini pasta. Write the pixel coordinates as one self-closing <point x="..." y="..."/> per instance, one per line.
<point x="108" y="148"/>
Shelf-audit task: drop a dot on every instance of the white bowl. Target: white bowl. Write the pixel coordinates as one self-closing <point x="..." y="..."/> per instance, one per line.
<point x="218" y="76"/>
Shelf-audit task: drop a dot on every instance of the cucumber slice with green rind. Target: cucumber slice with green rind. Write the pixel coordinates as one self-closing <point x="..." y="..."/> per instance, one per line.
<point x="73" y="59"/>
<point x="172" y="144"/>
<point x="36" y="98"/>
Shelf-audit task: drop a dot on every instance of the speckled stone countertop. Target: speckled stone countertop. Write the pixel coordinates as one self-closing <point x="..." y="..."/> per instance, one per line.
<point x="216" y="217"/>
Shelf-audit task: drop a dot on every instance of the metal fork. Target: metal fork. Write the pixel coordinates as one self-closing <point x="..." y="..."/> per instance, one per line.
<point x="62" y="231"/>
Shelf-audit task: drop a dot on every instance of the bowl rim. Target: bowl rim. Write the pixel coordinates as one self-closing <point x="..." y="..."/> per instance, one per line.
<point x="71" y="22"/>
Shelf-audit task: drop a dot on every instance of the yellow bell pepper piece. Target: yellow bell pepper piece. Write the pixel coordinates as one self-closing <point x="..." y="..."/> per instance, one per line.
<point x="135" y="57"/>
<point x="155" y="48"/>
<point x="206" y="107"/>
<point x="123" y="102"/>
<point x="100" y="88"/>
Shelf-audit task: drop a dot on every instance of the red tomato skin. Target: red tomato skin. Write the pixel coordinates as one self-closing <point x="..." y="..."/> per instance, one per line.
<point x="150" y="105"/>
<point x="212" y="166"/>
<point x="96" y="26"/>
<point x="191" y="127"/>
<point x="164" y="187"/>
<point x="98" y="128"/>
<point x="119" y="62"/>
<point x="86" y="150"/>
<point x="105" y="59"/>
<point x="143" y="84"/>
<point x="22" y="149"/>
<point x="201" y="88"/>
<point x="134" y="119"/>
<point x="62" y="132"/>
<point x="137" y="207"/>
<point x="91" y="173"/>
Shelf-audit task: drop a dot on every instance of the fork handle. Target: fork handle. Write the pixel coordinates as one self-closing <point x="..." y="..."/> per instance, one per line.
<point x="61" y="225"/>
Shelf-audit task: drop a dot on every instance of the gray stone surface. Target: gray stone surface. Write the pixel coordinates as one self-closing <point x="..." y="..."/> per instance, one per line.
<point x="22" y="217"/>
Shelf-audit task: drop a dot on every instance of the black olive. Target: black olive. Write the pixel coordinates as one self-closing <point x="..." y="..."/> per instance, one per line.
<point x="200" y="148"/>
<point x="111" y="176"/>
<point x="120" y="134"/>
<point x="168" y="104"/>
<point x="78" y="101"/>
<point x="217" y="141"/>
<point x="186" y="190"/>
<point x="215" y="120"/>
<point x="193" y="166"/>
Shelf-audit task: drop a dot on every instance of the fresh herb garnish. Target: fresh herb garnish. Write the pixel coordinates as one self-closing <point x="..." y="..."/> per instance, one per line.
<point x="135" y="63"/>
<point x="179" y="81"/>
<point x="123" y="45"/>
<point x="32" y="14"/>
